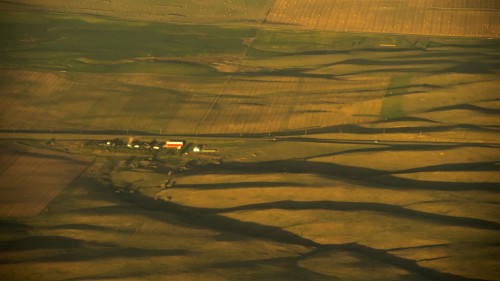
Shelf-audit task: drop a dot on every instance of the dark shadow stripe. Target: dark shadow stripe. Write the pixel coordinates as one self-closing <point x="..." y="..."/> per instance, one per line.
<point x="400" y="262"/>
<point x="392" y="210"/>
<point x="464" y="167"/>
<point x="491" y="111"/>
<point x="212" y="186"/>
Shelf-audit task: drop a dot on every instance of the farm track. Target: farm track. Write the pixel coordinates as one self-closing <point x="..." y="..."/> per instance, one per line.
<point x="297" y="136"/>
<point x="231" y="77"/>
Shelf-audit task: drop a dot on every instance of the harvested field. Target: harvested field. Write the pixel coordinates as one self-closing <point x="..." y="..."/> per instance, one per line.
<point x="428" y="17"/>
<point x="30" y="180"/>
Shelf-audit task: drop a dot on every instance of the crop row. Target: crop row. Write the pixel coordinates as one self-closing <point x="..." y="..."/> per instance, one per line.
<point x="429" y="17"/>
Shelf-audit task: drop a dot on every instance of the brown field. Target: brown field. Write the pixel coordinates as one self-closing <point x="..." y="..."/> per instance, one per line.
<point x="431" y="17"/>
<point x="29" y="181"/>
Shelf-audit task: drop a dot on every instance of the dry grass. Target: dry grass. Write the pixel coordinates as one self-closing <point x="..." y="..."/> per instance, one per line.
<point x="393" y="160"/>
<point x="184" y="105"/>
<point x="430" y="17"/>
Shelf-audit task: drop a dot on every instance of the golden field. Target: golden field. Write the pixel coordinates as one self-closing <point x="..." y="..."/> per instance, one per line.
<point x="431" y="17"/>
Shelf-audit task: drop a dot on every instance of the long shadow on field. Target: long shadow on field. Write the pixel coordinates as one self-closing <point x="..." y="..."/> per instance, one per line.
<point x="44" y="242"/>
<point x="290" y="72"/>
<point x="407" y="88"/>
<point x="232" y="185"/>
<point x="471" y="107"/>
<point x="399" y="148"/>
<point x="200" y="217"/>
<point x="385" y="70"/>
<point x="90" y="254"/>
<point x="357" y="50"/>
<point x="288" y="269"/>
<point x="371" y="177"/>
<point x="9" y="227"/>
<point x="354" y="129"/>
<point x="72" y="226"/>
<point x="366" y="62"/>
<point x="125" y="275"/>
<point x="388" y="209"/>
<point x="80" y="250"/>
<point x="51" y="156"/>
<point x="406" y="119"/>
<point x="384" y="256"/>
<point x="449" y="54"/>
<point x="474" y="67"/>
<point x="454" y="167"/>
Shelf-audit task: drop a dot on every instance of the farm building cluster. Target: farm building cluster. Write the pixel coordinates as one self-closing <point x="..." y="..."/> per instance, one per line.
<point x="155" y="145"/>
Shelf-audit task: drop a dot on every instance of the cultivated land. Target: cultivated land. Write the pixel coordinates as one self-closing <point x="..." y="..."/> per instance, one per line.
<point x="350" y="141"/>
<point x="30" y="180"/>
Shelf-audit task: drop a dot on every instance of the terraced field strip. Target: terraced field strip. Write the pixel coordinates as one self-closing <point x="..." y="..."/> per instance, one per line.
<point x="430" y="17"/>
<point x="28" y="182"/>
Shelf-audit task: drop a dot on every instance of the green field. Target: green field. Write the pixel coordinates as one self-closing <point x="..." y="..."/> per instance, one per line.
<point x="335" y="155"/>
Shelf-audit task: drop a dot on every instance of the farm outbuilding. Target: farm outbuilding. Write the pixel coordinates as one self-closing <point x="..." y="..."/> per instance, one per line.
<point x="174" y="144"/>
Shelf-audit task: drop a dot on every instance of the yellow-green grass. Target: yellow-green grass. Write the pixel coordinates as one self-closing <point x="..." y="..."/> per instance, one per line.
<point x="214" y="12"/>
